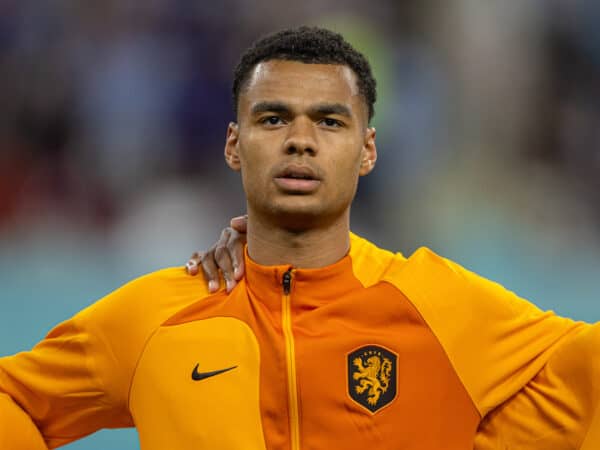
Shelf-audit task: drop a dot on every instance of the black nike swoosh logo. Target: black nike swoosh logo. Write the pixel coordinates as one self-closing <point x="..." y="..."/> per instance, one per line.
<point x="197" y="376"/>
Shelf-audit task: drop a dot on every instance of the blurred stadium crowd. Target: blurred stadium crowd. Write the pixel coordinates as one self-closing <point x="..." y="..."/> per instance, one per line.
<point x="103" y="101"/>
<point x="114" y="113"/>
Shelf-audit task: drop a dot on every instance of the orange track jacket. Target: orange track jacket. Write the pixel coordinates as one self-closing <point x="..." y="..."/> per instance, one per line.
<point x="375" y="351"/>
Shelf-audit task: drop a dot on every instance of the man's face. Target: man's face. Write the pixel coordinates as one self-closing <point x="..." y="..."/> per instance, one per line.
<point x="301" y="141"/>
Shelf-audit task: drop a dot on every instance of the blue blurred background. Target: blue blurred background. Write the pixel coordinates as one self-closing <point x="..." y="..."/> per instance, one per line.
<point x="113" y="118"/>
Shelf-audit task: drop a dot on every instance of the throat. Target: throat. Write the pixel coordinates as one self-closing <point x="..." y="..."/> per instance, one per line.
<point x="306" y="249"/>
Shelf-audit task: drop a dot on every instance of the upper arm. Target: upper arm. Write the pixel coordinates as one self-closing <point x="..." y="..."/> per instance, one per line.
<point x="558" y="408"/>
<point x="59" y="384"/>
<point x="17" y="431"/>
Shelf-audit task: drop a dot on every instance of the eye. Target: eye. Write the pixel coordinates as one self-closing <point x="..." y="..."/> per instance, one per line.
<point x="271" y="120"/>
<point x="329" y="122"/>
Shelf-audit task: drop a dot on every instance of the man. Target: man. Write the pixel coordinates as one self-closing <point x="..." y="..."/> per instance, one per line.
<point x="327" y="341"/>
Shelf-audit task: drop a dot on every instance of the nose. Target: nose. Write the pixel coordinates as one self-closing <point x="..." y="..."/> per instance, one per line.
<point x="301" y="137"/>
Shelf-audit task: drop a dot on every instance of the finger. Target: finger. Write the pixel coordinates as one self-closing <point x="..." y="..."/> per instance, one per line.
<point x="223" y="259"/>
<point x="239" y="223"/>
<point x="235" y="246"/>
<point x="192" y="265"/>
<point x="210" y="269"/>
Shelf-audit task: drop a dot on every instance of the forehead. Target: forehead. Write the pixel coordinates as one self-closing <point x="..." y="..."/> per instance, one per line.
<point x="300" y="84"/>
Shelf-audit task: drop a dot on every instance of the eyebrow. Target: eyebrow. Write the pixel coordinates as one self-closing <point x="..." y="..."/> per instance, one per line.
<point x="331" y="108"/>
<point x="320" y="109"/>
<point x="262" y="107"/>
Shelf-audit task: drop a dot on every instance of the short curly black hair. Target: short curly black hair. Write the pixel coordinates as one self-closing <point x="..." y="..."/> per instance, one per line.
<point x="312" y="45"/>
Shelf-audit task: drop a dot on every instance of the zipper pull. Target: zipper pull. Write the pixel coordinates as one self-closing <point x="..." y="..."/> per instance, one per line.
<point x="287" y="282"/>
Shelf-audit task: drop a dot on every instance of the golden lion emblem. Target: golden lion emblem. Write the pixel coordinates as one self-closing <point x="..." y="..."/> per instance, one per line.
<point x="375" y="377"/>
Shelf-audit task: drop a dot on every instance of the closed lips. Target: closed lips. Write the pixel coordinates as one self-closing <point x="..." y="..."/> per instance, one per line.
<point x="298" y="172"/>
<point x="298" y="180"/>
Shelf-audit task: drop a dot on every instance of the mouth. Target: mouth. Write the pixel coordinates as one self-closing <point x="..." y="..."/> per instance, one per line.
<point x="296" y="179"/>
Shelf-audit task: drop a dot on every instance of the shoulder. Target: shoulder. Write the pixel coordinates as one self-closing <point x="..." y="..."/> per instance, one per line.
<point x="124" y="319"/>
<point x="147" y="300"/>
<point x="455" y="300"/>
<point x="496" y="340"/>
<point x="430" y="280"/>
<point x="113" y="331"/>
<point x="372" y="264"/>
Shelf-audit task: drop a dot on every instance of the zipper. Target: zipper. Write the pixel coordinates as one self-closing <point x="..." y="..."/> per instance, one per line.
<point x="287" y="282"/>
<point x="290" y="356"/>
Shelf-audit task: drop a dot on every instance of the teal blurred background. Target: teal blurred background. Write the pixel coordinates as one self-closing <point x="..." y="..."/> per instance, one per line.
<point x="113" y="120"/>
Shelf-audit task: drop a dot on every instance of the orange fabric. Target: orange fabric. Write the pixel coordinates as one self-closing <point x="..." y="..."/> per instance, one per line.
<point x="558" y="409"/>
<point x="592" y="438"/>
<point x="482" y="326"/>
<point x="333" y="314"/>
<point x="17" y="431"/>
<point x="191" y="369"/>
<point x="77" y="380"/>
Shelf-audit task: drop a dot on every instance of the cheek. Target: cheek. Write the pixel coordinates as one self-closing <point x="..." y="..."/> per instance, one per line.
<point x="344" y="166"/>
<point x="345" y="173"/>
<point x="254" y="167"/>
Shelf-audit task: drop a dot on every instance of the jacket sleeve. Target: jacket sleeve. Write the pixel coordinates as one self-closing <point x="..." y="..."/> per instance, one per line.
<point x="77" y="380"/>
<point x="17" y="431"/>
<point x="559" y="409"/>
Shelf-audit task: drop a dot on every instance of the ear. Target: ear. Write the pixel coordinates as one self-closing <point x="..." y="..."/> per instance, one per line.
<point x="232" y="155"/>
<point x="368" y="153"/>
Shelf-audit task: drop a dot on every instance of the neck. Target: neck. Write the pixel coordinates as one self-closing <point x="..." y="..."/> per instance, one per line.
<point x="270" y="244"/>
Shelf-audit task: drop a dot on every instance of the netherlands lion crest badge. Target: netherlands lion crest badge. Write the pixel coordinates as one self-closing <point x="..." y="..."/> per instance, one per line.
<point x="372" y="375"/>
